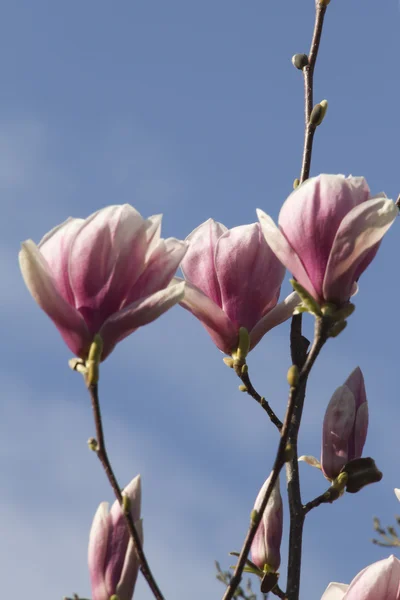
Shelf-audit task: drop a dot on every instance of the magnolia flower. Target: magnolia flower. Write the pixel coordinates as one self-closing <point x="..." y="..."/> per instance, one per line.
<point x="379" y="581"/>
<point x="265" y="549"/>
<point x="113" y="564"/>
<point x="329" y="231"/>
<point x="345" y="425"/>
<point x="107" y="274"/>
<point x="397" y="492"/>
<point x="233" y="281"/>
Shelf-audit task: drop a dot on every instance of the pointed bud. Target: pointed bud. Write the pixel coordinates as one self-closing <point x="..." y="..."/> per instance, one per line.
<point x="345" y="425"/>
<point x="265" y="549"/>
<point x="113" y="563"/>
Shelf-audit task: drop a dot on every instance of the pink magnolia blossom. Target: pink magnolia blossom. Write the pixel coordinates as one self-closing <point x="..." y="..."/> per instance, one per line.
<point x="107" y="274"/>
<point x="265" y="549"/>
<point x="379" y="581"/>
<point x="345" y="425"/>
<point x="113" y="563"/>
<point x="329" y="231"/>
<point x="233" y="280"/>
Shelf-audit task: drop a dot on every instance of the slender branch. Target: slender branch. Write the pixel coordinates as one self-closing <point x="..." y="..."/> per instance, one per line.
<point x="245" y="378"/>
<point x="308" y="72"/>
<point x="295" y="392"/>
<point x="298" y="344"/>
<point x="105" y="462"/>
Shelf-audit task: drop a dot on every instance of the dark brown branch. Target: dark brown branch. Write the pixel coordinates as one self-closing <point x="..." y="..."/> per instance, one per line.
<point x="245" y="378"/>
<point x="294" y="394"/>
<point x="101" y="452"/>
<point x="298" y="344"/>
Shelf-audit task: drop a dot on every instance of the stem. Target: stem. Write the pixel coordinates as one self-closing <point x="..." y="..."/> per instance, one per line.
<point x="245" y="378"/>
<point x="105" y="462"/>
<point x="294" y="396"/>
<point x="298" y="344"/>
<point x="296" y="509"/>
<point x="308" y="72"/>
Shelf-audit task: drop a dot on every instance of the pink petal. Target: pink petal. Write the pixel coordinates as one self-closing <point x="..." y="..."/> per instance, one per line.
<point x="265" y="548"/>
<point x="55" y="246"/>
<point x="130" y="569"/>
<point x="221" y="329"/>
<point x="159" y="270"/>
<point x="107" y="256"/>
<point x="379" y="581"/>
<point x="336" y="430"/>
<point x="97" y="552"/>
<point x="360" y="432"/>
<point x="335" y="591"/>
<point x="198" y="266"/>
<point x="119" y="535"/>
<point x="283" y="250"/>
<point x="141" y="312"/>
<point x="358" y="234"/>
<point x="249" y="275"/>
<point x="355" y="383"/>
<point x="153" y="234"/>
<point x="311" y="216"/>
<point x="40" y="283"/>
<point x="276" y="316"/>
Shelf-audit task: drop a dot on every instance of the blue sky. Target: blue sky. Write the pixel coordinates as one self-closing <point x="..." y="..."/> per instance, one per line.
<point x="193" y="110"/>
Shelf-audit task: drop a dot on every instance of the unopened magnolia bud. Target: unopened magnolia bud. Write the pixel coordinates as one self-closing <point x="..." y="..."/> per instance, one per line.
<point x="318" y="113"/>
<point x="265" y="549"/>
<point x="300" y="61"/>
<point x="296" y="183"/>
<point x="242" y="388"/>
<point x="293" y="376"/>
<point x="323" y="2"/>
<point x="93" y="445"/>
<point x="253" y="516"/>
<point x="244" y="369"/>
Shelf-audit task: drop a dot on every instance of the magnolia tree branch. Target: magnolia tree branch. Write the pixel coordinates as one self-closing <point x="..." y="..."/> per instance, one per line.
<point x="298" y="344"/>
<point x="322" y="328"/>
<point x="245" y="378"/>
<point x="100" y="448"/>
<point x="308" y="73"/>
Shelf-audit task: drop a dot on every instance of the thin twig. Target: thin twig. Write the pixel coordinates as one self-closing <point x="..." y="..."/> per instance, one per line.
<point x="245" y="378"/>
<point x="320" y="338"/>
<point x="105" y="462"/>
<point x="308" y="72"/>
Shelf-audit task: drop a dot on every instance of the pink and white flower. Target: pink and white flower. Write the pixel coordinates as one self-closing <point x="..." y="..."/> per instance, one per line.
<point x="233" y="281"/>
<point x="330" y="229"/>
<point x="108" y="274"/>
<point x="379" y="581"/>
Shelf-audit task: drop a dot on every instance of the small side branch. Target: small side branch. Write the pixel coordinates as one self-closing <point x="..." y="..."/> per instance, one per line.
<point x="100" y="449"/>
